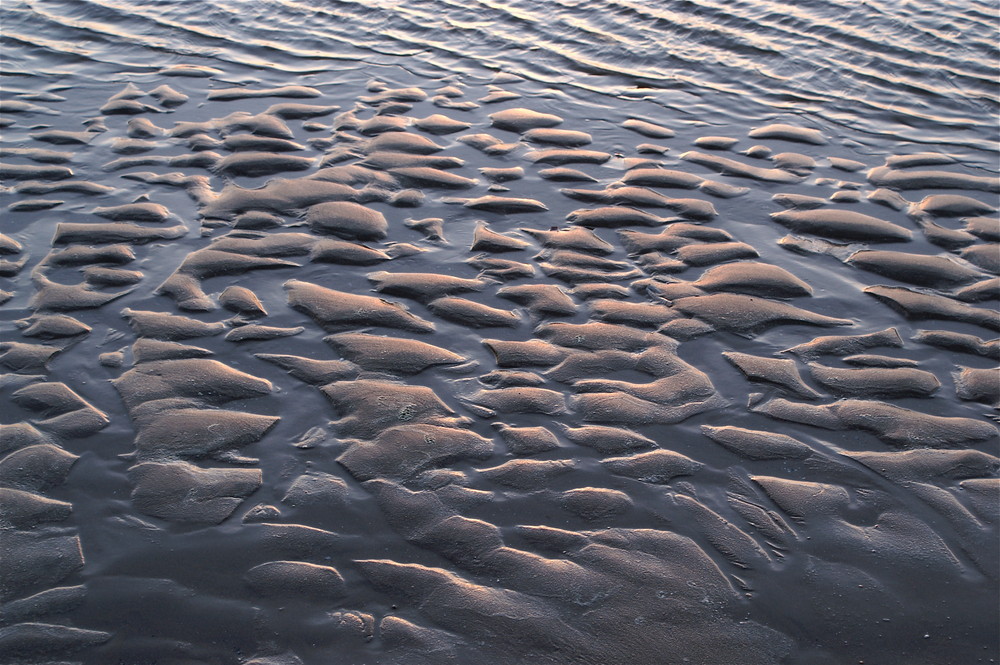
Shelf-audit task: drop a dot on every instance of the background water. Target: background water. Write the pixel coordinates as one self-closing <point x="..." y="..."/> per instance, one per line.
<point x="924" y="71"/>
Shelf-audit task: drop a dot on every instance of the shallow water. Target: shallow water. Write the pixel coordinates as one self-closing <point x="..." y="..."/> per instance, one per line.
<point x="608" y="445"/>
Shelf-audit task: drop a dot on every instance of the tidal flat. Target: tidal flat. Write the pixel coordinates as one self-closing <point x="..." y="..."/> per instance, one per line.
<point x="412" y="333"/>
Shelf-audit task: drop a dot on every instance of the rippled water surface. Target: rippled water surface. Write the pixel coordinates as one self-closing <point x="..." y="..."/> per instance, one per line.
<point x="499" y="332"/>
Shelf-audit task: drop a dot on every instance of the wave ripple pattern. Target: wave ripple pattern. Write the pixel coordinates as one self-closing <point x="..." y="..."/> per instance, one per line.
<point x="511" y="332"/>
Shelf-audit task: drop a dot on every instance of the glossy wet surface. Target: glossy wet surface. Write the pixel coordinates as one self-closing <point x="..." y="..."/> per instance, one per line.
<point x="428" y="334"/>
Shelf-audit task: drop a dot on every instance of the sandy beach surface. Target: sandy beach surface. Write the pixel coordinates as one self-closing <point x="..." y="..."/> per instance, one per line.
<point x="504" y="332"/>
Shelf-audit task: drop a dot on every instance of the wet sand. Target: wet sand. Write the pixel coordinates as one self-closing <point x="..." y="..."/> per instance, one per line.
<point x="379" y="355"/>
